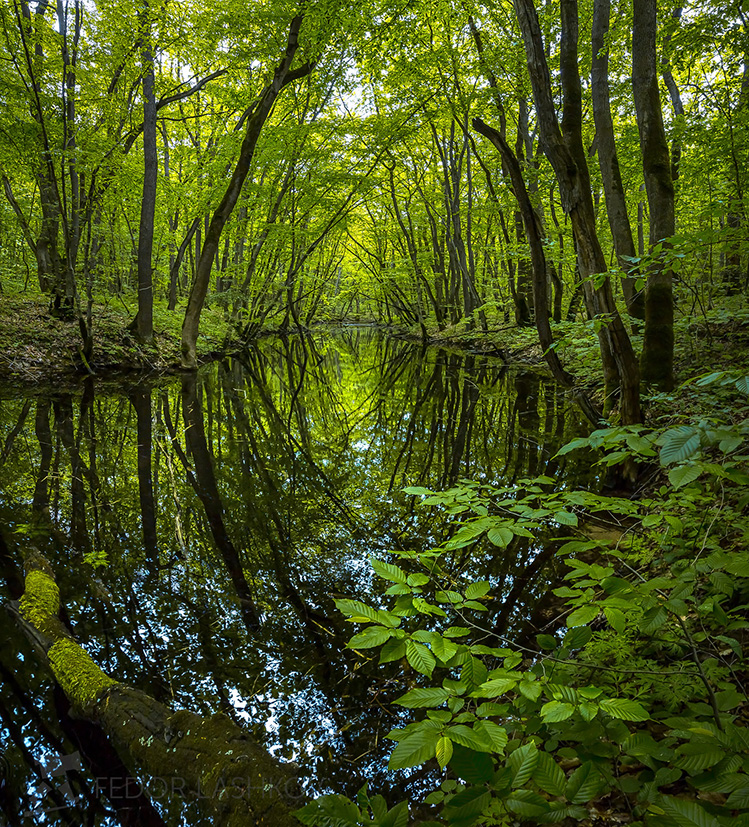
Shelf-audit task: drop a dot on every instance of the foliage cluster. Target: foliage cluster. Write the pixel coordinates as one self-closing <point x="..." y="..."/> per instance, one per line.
<point x="632" y="700"/>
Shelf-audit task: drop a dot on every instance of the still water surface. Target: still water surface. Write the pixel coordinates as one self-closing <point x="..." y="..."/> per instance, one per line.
<point x="200" y="527"/>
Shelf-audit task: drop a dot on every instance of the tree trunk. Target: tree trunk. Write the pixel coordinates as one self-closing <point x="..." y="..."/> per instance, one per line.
<point x="282" y="76"/>
<point x="143" y="322"/>
<point x="616" y="203"/>
<point x="657" y="360"/>
<point x="538" y="260"/>
<point x="188" y="755"/>
<point x="565" y="152"/>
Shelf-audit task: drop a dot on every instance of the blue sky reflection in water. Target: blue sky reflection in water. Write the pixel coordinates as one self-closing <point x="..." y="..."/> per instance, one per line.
<point x="200" y="528"/>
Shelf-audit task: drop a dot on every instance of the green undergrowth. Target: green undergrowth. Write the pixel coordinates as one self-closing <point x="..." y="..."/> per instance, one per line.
<point x="631" y="707"/>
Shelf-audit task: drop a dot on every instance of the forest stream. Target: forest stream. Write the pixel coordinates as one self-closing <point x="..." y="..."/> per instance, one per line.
<point x="199" y="527"/>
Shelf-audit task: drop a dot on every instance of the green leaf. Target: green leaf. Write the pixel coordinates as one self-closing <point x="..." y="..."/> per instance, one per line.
<point x="416" y="748"/>
<point x="686" y="813"/>
<point x="523" y="762"/>
<point x="397" y="816"/>
<point x="653" y="619"/>
<point x="474" y="767"/>
<point x="473" y="673"/>
<point x="329" y="811"/>
<point x="442" y="648"/>
<point x="420" y="657"/>
<point x="361" y="613"/>
<point x="370" y="637"/>
<point x="682" y="475"/>
<point x="419" y="698"/>
<point x="565" y="517"/>
<point x="697" y="756"/>
<point x="467" y="805"/>
<point x="530" y="689"/>
<point x="526" y="803"/>
<point x="388" y="571"/>
<point x="456" y="631"/>
<point x="394" y="649"/>
<point x="467" y="737"/>
<point x="577" y="638"/>
<point x="582" y="615"/>
<point x="495" y="687"/>
<point x="493" y="734"/>
<point x="444" y="751"/>
<point x="743" y="384"/>
<point x="418" y="491"/>
<point x="624" y="709"/>
<point x="500" y="536"/>
<point x="554" y="711"/>
<point x="615" y="618"/>
<point x="547" y="642"/>
<point x="549" y="775"/>
<point x="478" y="589"/>
<point x="584" y="784"/>
<point x="678" y="444"/>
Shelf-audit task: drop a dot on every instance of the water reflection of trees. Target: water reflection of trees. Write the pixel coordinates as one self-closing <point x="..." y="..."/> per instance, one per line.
<point x="232" y="507"/>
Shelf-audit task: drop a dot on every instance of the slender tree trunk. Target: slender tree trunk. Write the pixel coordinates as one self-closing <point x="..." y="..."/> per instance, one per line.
<point x="616" y="203"/>
<point x="566" y="153"/>
<point x="534" y="235"/>
<point x="143" y="322"/>
<point x="282" y="76"/>
<point x="657" y="360"/>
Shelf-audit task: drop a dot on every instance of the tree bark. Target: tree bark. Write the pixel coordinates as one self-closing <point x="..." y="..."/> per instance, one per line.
<point x="657" y="360"/>
<point x="144" y="319"/>
<point x="538" y="262"/>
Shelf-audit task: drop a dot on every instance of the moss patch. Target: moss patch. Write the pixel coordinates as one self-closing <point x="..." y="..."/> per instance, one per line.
<point x="41" y="600"/>
<point x="80" y="678"/>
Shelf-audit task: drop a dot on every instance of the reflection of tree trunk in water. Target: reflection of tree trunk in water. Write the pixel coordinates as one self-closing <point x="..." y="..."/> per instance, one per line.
<point x="526" y="388"/>
<point x="520" y="583"/>
<point x="40" y="503"/>
<point x="17" y="428"/>
<point x="469" y="398"/>
<point x="64" y="424"/>
<point x="194" y="756"/>
<point x="423" y="395"/>
<point x="113" y="780"/>
<point x="141" y="401"/>
<point x="205" y="486"/>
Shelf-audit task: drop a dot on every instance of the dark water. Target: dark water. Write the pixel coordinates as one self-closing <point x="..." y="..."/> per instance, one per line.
<point x="200" y="528"/>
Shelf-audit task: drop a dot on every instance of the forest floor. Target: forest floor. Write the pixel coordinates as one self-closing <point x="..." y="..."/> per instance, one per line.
<point x="35" y="347"/>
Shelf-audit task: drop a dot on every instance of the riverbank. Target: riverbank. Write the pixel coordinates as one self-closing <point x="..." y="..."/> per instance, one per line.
<point x="34" y="347"/>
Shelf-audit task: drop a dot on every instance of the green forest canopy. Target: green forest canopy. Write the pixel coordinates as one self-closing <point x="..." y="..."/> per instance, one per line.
<point x="420" y="164"/>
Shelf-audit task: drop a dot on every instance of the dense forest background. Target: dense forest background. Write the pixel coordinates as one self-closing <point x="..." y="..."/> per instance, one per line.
<point x="432" y="165"/>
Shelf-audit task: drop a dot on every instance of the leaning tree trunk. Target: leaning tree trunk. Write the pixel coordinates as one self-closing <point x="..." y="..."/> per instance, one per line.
<point x="195" y="757"/>
<point x="534" y="235"/>
<point x="566" y="153"/>
<point x="282" y="76"/>
<point x="657" y="360"/>
<point x="616" y="203"/>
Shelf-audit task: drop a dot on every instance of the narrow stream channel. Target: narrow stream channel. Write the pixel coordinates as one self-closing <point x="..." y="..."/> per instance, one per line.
<point x="200" y="527"/>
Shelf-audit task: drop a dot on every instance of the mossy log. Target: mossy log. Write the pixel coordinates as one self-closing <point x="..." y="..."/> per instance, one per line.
<point x="183" y="754"/>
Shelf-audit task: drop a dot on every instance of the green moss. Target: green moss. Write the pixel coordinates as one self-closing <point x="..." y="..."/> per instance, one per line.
<point x="80" y="678"/>
<point x="41" y="599"/>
